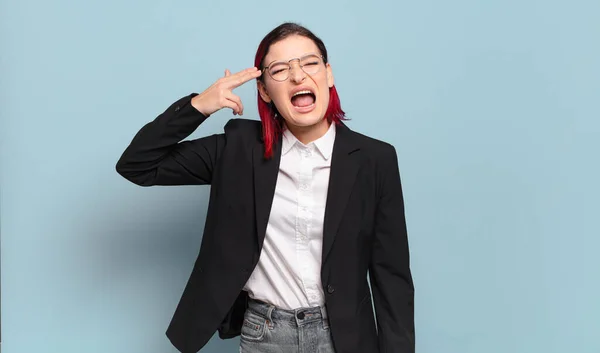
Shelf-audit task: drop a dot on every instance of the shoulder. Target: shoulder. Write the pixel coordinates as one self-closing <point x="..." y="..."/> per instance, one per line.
<point x="244" y="128"/>
<point x="374" y="148"/>
<point x="381" y="156"/>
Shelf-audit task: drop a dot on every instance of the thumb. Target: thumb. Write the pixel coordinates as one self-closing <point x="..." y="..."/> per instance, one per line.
<point x="227" y="72"/>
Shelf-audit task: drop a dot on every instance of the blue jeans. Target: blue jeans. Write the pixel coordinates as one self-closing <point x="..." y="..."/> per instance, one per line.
<point x="268" y="329"/>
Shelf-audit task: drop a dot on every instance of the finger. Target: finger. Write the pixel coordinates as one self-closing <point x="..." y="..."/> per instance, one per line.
<point x="228" y="73"/>
<point x="236" y="99"/>
<point x="238" y="103"/>
<point x="241" y="73"/>
<point x="231" y="104"/>
<point x="240" y="80"/>
<point x="243" y="76"/>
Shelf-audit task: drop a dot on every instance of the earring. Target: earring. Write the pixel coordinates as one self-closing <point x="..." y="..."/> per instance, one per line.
<point x="272" y="106"/>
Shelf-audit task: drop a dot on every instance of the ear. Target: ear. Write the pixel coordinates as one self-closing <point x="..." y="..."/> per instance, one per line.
<point x="330" y="80"/>
<point x="262" y="90"/>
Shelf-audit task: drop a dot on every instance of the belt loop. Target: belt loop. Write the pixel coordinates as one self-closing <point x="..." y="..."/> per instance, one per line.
<point x="270" y="316"/>
<point x="323" y="311"/>
<point x="324" y="316"/>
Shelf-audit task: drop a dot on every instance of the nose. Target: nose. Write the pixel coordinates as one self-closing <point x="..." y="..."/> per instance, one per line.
<point x="296" y="73"/>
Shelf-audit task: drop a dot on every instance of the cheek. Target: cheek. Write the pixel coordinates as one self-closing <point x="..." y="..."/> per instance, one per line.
<point x="324" y="89"/>
<point x="279" y="97"/>
<point x="280" y="100"/>
<point x="325" y="95"/>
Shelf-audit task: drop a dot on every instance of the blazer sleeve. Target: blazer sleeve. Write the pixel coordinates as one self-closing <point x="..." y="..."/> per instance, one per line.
<point x="391" y="279"/>
<point x="156" y="155"/>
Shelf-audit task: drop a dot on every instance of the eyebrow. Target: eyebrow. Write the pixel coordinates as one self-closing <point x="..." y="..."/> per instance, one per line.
<point x="297" y="57"/>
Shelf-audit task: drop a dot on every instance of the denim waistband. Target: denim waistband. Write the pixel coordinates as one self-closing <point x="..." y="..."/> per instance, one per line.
<point x="297" y="317"/>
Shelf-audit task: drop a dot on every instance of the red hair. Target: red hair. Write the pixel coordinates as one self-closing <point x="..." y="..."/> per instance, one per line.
<point x="272" y="122"/>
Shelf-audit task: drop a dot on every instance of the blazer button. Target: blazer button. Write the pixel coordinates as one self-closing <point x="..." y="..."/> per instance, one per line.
<point x="330" y="289"/>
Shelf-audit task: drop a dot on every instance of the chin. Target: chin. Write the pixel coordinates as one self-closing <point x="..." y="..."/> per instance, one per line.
<point x="305" y="120"/>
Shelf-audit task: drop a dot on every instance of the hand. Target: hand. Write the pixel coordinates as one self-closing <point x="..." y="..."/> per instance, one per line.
<point x="219" y="95"/>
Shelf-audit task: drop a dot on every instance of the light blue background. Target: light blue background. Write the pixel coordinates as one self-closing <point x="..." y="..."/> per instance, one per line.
<point x="493" y="107"/>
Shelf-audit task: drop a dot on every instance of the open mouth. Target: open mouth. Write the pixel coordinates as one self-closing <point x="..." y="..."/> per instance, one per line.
<point x="303" y="99"/>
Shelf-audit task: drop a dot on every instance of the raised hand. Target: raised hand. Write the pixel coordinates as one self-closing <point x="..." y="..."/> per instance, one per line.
<point x="219" y="95"/>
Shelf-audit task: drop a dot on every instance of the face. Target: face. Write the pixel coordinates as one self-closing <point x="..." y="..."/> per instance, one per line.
<point x="303" y="110"/>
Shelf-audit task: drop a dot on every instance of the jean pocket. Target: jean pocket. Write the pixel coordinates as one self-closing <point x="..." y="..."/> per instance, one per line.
<point x="253" y="327"/>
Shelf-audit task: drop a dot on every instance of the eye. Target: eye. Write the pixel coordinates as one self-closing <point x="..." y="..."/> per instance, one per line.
<point x="278" y="68"/>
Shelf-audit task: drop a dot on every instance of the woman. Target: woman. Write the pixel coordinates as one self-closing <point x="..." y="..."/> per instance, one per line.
<point x="300" y="208"/>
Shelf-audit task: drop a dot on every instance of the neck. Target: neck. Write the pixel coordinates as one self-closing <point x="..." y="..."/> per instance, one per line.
<point x="308" y="134"/>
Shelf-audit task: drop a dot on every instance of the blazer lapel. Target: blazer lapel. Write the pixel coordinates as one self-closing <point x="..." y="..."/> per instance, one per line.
<point x="265" y="179"/>
<point x="344" y="167"/>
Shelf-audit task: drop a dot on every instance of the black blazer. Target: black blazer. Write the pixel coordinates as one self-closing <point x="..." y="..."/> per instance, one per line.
<point x="364" y="229"/>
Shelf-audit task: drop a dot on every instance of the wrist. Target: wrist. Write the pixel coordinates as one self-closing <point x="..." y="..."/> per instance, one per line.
<point x="195" y="102"/>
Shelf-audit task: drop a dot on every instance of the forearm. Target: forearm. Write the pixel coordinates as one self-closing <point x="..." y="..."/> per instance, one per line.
<point x="156" y="155"/>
